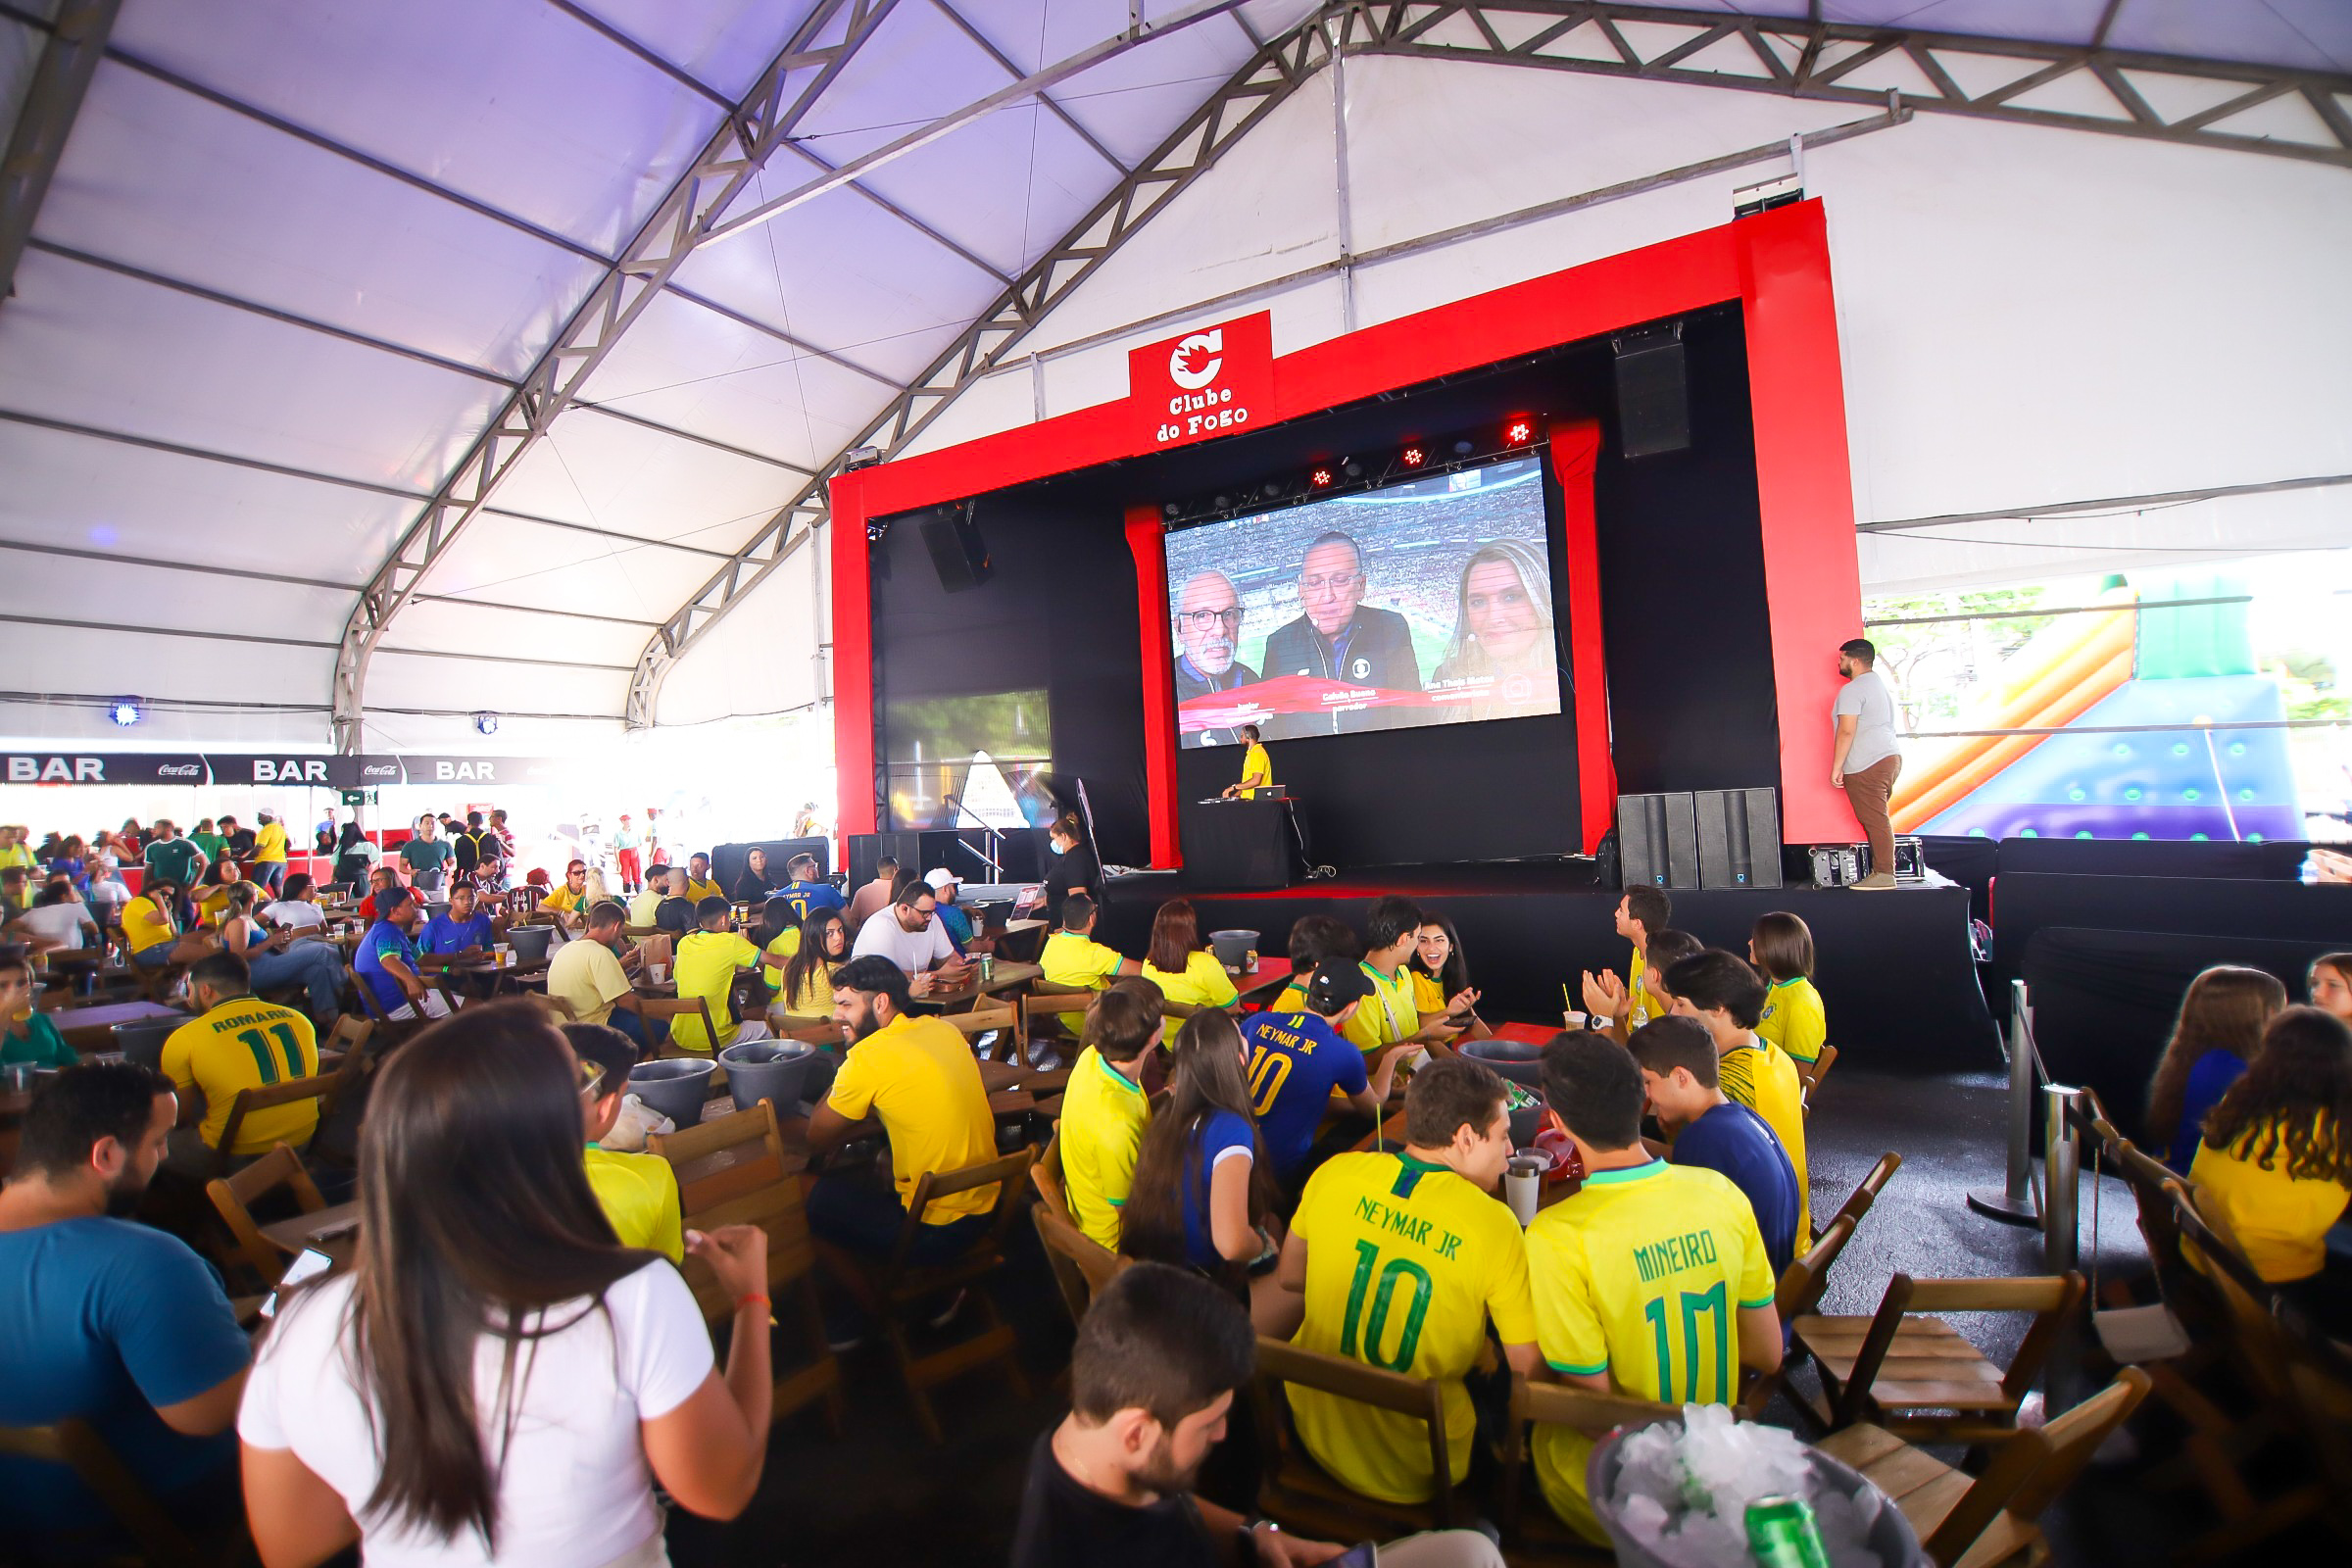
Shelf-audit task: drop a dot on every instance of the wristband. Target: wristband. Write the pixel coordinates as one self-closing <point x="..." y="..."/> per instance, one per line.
<point x="741" y="1302"/>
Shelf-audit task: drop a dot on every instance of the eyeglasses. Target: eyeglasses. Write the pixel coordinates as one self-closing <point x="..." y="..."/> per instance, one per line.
<point x="1338" y="582"/>
<point x="1202" y="619"/>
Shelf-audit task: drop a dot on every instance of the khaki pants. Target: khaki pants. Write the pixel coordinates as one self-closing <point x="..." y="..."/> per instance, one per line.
<point x="1866" y="792"/>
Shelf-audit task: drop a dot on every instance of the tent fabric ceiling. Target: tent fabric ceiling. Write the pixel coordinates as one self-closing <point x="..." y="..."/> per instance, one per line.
<point x="296" y="255"/>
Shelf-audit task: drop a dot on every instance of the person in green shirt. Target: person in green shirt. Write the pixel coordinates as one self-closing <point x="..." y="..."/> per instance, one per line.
<point x="205" y="839"/>
<point x="27" y="1038"/>
<point x="171" y="858"/>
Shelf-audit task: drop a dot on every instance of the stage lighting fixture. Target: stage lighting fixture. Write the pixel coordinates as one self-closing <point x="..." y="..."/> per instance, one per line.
<point x="1222" y="502"/>
<point x="1464" y="447"/>
<point x="1272" y="488"/>
<point x="125" y="712"/>
<point x="1519" y="432"/>
<point x="1352" y="469"/>
<point x="485" y="724"/>
<point x="1171" y="511"/>
<point x="1320" y="479"/>
<point x="1412" y="457"/>
<point x="859" y="457"/>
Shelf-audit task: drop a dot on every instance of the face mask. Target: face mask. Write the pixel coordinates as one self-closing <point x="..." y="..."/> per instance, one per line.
<point x="1056" y="845"/>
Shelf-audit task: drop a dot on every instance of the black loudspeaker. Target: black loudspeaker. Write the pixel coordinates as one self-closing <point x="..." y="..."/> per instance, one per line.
<point x="1738" y="838"/>
<point x="957" y="554"/>
<point x="864" y="849"/>
<point x="1659" y="839"/>
<point x="1653" y="394"/>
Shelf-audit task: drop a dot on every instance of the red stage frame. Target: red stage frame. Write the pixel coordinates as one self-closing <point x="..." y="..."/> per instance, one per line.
<point x="1776" y="265"/>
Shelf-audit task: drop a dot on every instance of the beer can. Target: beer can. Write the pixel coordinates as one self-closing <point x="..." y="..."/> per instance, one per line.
<point x="1782" y="1534"/>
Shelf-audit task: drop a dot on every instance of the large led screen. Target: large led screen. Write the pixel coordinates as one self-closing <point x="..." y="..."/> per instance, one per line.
<point x="1422" y="603"/>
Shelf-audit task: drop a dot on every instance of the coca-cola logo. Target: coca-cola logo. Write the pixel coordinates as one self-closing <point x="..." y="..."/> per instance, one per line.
<point x="381" y="771"/>
<point x="179" y="770"/>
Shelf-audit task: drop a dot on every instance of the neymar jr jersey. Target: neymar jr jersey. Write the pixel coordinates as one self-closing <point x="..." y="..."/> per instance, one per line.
<point x="1761" y="1077"/>
<point x="1641" y="1274"/>
<point x="246" y="1044"/>
<point x="1794" y="1019"/>
<point x="1104" y="1115"/>
<point x="1405" y="1262"/>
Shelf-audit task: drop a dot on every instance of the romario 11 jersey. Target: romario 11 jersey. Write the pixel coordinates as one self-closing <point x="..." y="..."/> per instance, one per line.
<point x="1642" y="1275"/>
<point x="1406" y="1263"/>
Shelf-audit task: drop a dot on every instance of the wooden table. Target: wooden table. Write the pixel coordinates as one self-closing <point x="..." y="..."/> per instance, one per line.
<point x="93" y="1028"/>
<point x="1004" y="975"/>
<point x="1527" y="1034"/>
<point x="1264" y="982"/>
<point x="1389" y="1136"/>
<point x="291" y="1236"/>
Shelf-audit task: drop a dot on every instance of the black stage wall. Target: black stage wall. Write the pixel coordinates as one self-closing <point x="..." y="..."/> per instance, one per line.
<point x="1688" y="640"/>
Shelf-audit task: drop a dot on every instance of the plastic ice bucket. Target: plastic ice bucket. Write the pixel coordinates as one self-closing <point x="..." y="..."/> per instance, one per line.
<point x="1515" y="1059"/>
<point x="765" y="1070"/>
<point x="676" y="1087"/>
<point x="1231" y="947"/>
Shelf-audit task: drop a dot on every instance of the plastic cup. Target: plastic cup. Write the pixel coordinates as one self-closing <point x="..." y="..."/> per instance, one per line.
<point x="657" y="972"/>
<point x="1572" y="1021"/>
<point x="1522" y="1185"/>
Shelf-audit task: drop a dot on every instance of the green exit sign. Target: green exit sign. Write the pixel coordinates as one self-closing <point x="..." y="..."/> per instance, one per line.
<point x="359" y="797"/>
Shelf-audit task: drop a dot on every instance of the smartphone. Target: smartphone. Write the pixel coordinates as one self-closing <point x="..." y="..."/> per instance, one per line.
<point x="310" y="1264"/>
<point x="1363" y="1554"/>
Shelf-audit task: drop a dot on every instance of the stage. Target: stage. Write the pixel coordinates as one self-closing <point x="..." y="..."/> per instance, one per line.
<point x="1895" y="968"/>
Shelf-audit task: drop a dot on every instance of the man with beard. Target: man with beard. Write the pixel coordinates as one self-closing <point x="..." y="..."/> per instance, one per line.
<point x="1160" y="1355"/>
<point x="1338" y="638"/>
<point x="1208" y="624"/>
<point x="105" y="1320"/>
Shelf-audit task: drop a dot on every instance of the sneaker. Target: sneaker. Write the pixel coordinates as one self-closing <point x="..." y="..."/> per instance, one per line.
<point x="947" y="1314"/>
<point x="1875" y="882"/>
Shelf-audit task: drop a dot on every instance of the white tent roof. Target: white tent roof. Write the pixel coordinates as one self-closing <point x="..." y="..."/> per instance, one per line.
<point x="296" y="258"/>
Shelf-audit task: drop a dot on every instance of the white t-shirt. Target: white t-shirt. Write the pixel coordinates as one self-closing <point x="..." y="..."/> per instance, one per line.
<point x="575" y="1486"/>
<point x="61" y="923"/>
<point x="297" y="913"/>
<point x="109" y="890"/>
<point x="1872" y="706"/>
<point x="912" y="950"/>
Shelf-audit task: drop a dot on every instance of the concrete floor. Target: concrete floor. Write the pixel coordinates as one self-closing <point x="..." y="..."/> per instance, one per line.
<point x="881" y="1494"/>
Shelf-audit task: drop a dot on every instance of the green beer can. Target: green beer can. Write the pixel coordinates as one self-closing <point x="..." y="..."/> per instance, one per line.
<point x="1780" y="1533"/>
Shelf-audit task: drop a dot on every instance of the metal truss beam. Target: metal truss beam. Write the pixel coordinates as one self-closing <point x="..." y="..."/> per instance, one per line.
<point x="1272" y="73"/>
<point x="1808" y="58"/>
<point x="785" y="93"/>
<point x="76" y="42"/>
<point x="1045" y="100"/>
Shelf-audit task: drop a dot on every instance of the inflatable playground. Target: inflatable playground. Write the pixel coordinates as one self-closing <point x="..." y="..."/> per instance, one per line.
<point x="2129" y="715"/>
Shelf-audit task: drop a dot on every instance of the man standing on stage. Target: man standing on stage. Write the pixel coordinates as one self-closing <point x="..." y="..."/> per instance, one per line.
<point x="1337" y="638"/>
<point x="1866" y="761"/>
<point x="1208" y="624"/>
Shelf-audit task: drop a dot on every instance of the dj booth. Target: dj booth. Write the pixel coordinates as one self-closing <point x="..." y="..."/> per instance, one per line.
<point x="1240" y="844"/>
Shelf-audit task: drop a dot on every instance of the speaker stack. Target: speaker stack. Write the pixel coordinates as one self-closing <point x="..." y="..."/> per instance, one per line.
<point x="1701" y="838"/>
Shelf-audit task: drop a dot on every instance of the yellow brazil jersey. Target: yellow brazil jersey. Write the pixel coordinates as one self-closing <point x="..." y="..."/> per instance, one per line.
<point x="706" y="965"/>
<point x="565" y="899"/>
<point x="1203" y="982"/>
<point x="779" y="953"/>
<point x="922" y="1078"/>
<point x="246" y="1044"/>
<point x="1103" y="1114"/>
<point x="1636" y="995"/>
<point x="1257" y="764"/>
<point x="1641" y="1274"/>
<point x="1428" y="995"/>
<point x="1405" y="1262"/>
<point x="270" y="843"/>
<point x="1389" y="1014"/>
<point x="639" y="1194"/>
<point x="2281" y="1221"/>
<point x="147" y="923"/>
<point x="644" y="906"/>
<point x="700" y="888"/>
<point x="815" y="997"/>
<point x="1075" y="962"/>
<point x="1292" y="999"/>
<point x="1794" y="1019"/>
<point x="1762" y="1078"/>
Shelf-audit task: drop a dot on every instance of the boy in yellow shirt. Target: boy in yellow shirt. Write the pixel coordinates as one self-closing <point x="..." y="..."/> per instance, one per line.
<point x="1651" y="1281"/>
<point x="1723" y="992"/>
<point x="1642" y="913"/>
<point x="706" y="962"/>
<point x="638" y="1192"/>
<point x="1074" y="960"/>
<point x="1104" y="1111"/>
<point x="237" y="1042"/>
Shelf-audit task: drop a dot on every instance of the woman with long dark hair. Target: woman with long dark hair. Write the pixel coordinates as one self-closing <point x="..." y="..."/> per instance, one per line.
<point x="355" y="853"/>
<point x="755" y="884"/>
<point x="1204" y="1188"/>
<point x="776" y="932"/>
<point x="2223" y="1014"/>
<point x="806" y="985"/>
<point x="495" y="1375"/>
<point x="2277" y="1160"/>
<point x="1441" y="972"/>
<point x="1180" y="963"/>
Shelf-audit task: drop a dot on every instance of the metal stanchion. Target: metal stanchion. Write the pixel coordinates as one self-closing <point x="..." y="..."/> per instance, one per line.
<point x="2061" y="1177"/>
<point x="2014" y="1203"/>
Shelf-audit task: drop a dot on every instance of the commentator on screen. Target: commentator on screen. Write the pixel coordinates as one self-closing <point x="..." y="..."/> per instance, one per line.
<point x="1208" y="624"/>
<point x="1337" y="637"/>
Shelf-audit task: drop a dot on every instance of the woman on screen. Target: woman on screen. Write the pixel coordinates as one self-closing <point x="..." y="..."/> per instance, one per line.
<point x="1501" y="663"/>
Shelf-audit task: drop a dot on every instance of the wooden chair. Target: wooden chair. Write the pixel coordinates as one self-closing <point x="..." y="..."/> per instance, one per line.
<point x="558" y="1011"/>
<point x="1798" y="1292"/>
<point x="1533" y="1534"/>
<point x="161" y="1541"/>
<point x="270" y="1097"/>
<point x="733" y="1171"/>
<point x="234" y="1197"/>
<point x="998" y="1015"/>
<point x="1809" y="1074"/>
<point x="1298" y="1493"/>
<point x="1043" y="1010"/>
<point x="897" y="1288"/>
<point x="1859" y="1201"/>
<point x="1976" y="1522"/>
<point x="1081" y="1264"/>
<point x="1916" y="1376"/>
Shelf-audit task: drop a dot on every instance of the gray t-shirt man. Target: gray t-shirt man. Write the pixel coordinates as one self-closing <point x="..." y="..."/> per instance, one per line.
<point x="1872" y="707"/>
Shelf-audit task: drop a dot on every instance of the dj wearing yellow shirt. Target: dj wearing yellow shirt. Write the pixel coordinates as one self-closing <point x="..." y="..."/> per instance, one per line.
<point x="1727" y="995"/>
<point x="1400" y="1261"/>
<point x="1103" y="1112"/>
<point x="706" y="962"/>
<point x="638" y="1192"/>
<point x="1257" y="769"/>
<point x="1073" y="960"/>
<point x="1651" y="1281"/>
<point x="237" y="1041"/>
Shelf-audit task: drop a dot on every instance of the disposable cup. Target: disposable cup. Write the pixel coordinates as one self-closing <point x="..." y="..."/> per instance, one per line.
<point x="1523" y="1183"/>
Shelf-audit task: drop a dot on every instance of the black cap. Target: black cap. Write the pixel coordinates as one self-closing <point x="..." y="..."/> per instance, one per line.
<point x="1336" y="983"/>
